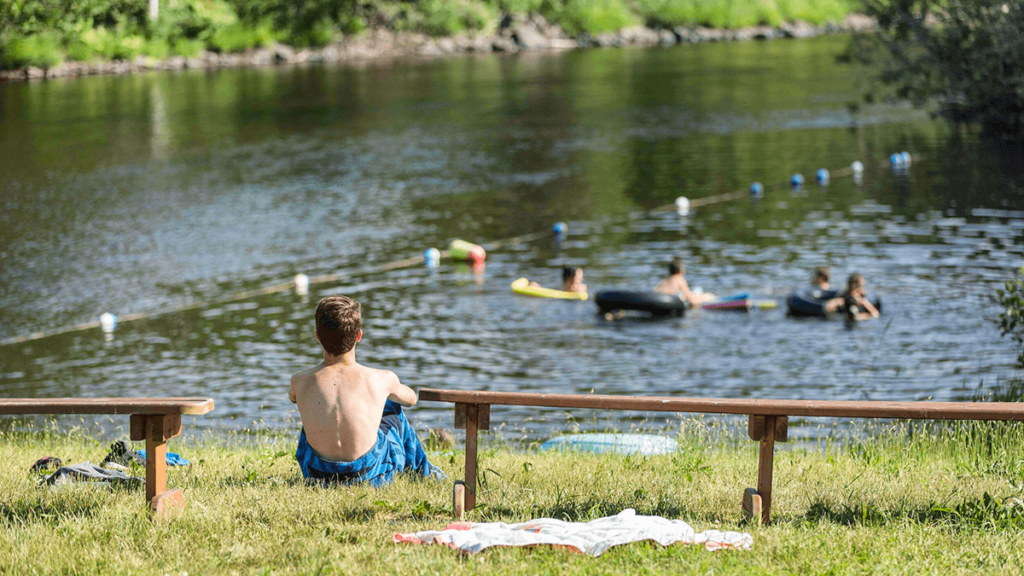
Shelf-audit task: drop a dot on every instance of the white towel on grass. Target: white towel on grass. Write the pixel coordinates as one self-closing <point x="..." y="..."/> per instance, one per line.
<point x="593" y="538"/>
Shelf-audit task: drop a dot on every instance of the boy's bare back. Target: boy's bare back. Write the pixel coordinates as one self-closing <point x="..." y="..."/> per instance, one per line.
<point x="341" y="404"/>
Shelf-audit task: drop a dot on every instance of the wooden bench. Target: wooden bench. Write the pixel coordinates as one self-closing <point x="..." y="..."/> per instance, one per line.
<point x="768" y="423"/>
<point x="154" y="420"/>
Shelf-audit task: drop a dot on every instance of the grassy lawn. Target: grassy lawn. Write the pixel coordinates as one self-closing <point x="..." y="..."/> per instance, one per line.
<point x="907" y="500"/>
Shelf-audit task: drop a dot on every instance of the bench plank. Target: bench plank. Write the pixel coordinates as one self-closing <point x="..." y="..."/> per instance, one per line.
<point x="745" y="406"/>
<point x="193" y="406"/>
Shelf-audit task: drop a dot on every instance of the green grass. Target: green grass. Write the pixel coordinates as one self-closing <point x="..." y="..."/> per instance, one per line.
<point x="905" y="500"/>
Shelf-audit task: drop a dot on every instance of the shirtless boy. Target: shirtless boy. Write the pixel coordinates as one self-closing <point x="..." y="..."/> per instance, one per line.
<point x="353" y="428"/>
<point x="676" y="284"/>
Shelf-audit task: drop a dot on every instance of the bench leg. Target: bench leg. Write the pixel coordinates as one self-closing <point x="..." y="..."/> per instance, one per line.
<point x="471" y="437"/>
<point x="156" y="429"/>
<point x="764" y="468"/>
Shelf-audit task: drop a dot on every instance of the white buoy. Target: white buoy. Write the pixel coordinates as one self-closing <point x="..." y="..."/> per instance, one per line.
<point x="301" y="284"/>
<point x="432" y="257"/>
<point x="857" y="167"/>
<point x="683" y="205"/>
<point x="108" y="323"/>
<point x="905" y="156"/>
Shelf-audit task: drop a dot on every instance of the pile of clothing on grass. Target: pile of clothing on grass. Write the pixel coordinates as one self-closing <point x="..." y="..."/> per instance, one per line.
<point x="117" y="469"/>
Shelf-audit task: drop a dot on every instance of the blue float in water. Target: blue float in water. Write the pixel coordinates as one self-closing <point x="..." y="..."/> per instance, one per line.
<point x="897" y="161"/>
<point x="797" y="180"/>
<point x="613" y="443"/>
<point x="432" y="257"/>
<point x="756" y="190"/>
<point x="823" y="176"/>
<point x="560" y="229"/>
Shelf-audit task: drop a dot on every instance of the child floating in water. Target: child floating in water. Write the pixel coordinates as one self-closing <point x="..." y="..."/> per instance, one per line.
<point x="572" y="280"/>
<point x="821" y="277"/>
<point x="855" y="300"/>
<point x="676" y="284"/>
<point x="353" y="428"/>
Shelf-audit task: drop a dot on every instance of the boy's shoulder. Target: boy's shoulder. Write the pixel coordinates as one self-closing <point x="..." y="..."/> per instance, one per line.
<point x="307" y="373"/>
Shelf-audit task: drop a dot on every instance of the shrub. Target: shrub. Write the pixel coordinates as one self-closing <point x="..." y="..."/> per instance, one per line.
<point x="320" y="33"/>
<point x="158" y="48"/>
<point x="592" y="16"/>
<point x="40" y="51"/>
<point x="238" y="37"/>
<point x="188" y="47"/>
<point x="1011" y="321"/>
<point x="448" y="17"/>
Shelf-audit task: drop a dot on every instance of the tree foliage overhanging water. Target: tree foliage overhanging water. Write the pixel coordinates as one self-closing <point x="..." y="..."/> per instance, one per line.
<point x="963" y="55"/>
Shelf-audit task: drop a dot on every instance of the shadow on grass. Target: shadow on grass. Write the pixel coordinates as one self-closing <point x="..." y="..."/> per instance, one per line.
<point x="587" y="509"/>
<point x="21" y="512"/>
<point x="983" y="512"/>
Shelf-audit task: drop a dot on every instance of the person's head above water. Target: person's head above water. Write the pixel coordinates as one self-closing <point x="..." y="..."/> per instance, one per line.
<point x="676" y="267"/>
<point x="339" y="324"/>
<point x="569" y="273"/>
<point x="855" y="283"/>
<point x="822" y="275"/>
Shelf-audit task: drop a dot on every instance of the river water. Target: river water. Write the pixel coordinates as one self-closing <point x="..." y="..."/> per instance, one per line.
<point x="144" y="193"/>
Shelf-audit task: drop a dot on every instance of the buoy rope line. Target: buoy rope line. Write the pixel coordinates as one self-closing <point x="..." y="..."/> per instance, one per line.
<point x="422" y="258"/>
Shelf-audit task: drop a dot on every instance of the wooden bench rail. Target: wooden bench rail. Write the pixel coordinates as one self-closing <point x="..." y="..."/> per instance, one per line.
<point x="155" y="420"/>
<point x="744" y="406"/>
<point x="193" y="406"/>
<point x="768" y="423"/>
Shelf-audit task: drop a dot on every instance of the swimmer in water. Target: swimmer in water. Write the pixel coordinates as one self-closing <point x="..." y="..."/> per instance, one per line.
<point x="572" y="280"/>
<point x="676" y="284"/>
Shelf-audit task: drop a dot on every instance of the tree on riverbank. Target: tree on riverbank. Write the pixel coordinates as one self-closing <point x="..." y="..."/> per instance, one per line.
<point x="963" y="56"/>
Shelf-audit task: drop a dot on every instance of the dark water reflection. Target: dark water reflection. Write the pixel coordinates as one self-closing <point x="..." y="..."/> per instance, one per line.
<point x="142" y="193"/>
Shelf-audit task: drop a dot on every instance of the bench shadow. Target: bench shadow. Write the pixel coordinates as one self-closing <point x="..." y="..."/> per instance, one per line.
<point x="970" y="514"/>
<point x="30" y="512"/>
<point x="585" y="510"/>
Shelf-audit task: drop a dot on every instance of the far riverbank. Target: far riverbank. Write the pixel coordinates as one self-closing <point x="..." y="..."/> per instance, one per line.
<point x="527" y="33"/>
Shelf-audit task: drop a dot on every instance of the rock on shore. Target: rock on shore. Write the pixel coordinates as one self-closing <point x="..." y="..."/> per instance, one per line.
<point x="516" y="33"/>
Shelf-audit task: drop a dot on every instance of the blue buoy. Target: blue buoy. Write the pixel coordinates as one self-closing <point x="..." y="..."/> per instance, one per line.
<point x="823" y="176"/>
<point x="797" y="180"/>
<point x="756" y="190"/>
<point x="561" y="229"/>
<point x="432" y="257"/>
<point x="897" y="161"/>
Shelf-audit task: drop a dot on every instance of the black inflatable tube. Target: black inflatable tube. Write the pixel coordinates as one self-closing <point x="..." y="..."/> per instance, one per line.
<point x="653" y="303"/>
<point x="814" y="304"/>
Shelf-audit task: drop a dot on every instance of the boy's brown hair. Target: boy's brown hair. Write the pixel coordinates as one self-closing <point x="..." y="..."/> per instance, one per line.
<point x="676" y="267"/>
<point x="822" y="273"/>
<point x="854" y="280"/>
<point x="338" y="321"/>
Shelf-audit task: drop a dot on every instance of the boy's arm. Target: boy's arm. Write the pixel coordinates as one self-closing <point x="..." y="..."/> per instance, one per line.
<point x="291" y="392"/>
<point x="399" y="392"/>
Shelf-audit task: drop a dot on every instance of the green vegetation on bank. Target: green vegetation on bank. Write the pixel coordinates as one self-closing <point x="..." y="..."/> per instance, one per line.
<point x="910" y="499"/>
<point x="44" y="33"/>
